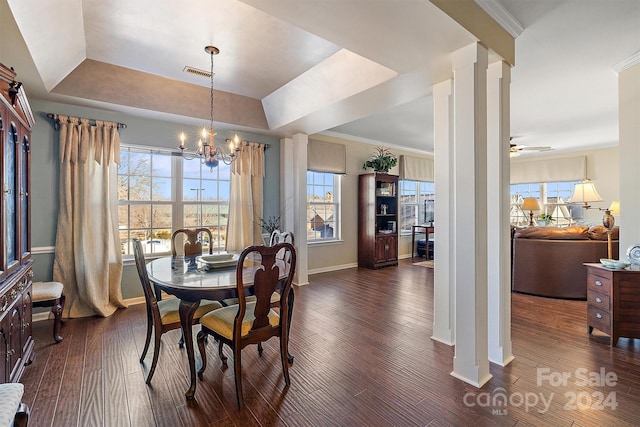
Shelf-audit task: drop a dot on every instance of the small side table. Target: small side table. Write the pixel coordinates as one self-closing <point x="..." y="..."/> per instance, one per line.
<point x="426" y="229"/>
<point x="613" y="301"/>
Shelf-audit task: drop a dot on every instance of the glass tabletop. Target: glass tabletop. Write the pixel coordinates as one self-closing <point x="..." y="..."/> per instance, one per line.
<point x="190" y="272"/>
<point x="194" y="273"/>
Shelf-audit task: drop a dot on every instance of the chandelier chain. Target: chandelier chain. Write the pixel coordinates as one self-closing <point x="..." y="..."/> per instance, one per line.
<point x="207" y="152"/>
<point x="211" y="95"/>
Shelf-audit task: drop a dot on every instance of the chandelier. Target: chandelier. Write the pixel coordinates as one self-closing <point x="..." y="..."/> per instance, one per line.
<point x="207" y="152"/>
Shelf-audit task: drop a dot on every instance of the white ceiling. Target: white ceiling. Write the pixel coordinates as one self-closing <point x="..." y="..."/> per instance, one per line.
<point x="354" y="68"/>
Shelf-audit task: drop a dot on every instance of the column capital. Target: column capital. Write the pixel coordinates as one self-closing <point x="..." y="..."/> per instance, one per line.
<point x="499" y="69"/>
<point x="471" y="54"/>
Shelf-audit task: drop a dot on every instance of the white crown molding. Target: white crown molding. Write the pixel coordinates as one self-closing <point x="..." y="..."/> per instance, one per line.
<point x="501" y="16"/>
<point x="627" y="63"/>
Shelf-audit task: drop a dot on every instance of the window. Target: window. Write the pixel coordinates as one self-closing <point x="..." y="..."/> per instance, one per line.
<point x="323" y="206"/>
<point x="553" y="198"/>
<point x="150" y="183"/>
<point x="205" y="200"/>
<point x="416" y="204"/>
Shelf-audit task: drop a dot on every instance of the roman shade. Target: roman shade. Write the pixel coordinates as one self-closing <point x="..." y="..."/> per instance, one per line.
<point x="325" y="156"/>
<point x="553" y="170"/>
<point x="416" y="168"/>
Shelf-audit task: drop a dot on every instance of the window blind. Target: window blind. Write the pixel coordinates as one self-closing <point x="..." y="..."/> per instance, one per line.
<point x="416" y="168"/>
<point x="564" y="169"/>
<point x="325" y="156"/>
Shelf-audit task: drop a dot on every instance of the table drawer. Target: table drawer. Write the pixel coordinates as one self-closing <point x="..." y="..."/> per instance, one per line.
<point x="599" y="284"/>
<point x="601" y="301"/>
<point x="598" y="318"/>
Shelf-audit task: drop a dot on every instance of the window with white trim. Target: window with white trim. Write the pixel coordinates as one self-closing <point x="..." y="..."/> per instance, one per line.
<point x="149" y="184"/>
<point x="416" y="204"/>
<point x="552" y="197"/>
<point x="323" y="206"/>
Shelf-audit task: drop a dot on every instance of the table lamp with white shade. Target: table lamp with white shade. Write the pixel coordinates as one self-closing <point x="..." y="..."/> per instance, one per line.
<point x="585" y="193"/>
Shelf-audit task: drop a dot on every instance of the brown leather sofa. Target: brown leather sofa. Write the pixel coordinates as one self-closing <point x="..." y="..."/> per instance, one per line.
<point x="548" y="261"/>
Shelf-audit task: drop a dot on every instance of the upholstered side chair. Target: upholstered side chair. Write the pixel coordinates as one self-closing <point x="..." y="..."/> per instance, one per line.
<point x="50" y="294"/>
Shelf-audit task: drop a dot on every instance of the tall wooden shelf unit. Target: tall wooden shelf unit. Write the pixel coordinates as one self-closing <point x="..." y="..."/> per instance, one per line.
<point x="377" y="220"/>
<point x="16" y="121"/>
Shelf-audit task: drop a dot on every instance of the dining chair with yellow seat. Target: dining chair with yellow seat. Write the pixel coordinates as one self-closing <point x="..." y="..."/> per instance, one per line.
<point x="162" y="315"/>
<point x="276" y="237"/>
<point x="253" y="322"/>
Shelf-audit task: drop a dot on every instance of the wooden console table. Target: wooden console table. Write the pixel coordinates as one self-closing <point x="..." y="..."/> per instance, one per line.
<point x="613" y="301"/>
<point x="426" y="229"/>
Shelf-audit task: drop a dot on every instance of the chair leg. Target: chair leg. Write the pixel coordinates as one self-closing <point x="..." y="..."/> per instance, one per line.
<point x="156" y="352"/>
<point x="21" y="418"/>
<point x="148" y="339"/>
<point x="63" y="300"/>
<point x="237" y="370"/>
<point x="57" y="320"/>
<point x="203" y="353"/>
<point x="222" y="356"/>
<point x="181" y="341"/>
<point x="284" y="356"/>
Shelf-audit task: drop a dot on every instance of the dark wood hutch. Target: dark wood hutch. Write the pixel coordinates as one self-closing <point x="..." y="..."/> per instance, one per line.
<point x="16" y="122"/>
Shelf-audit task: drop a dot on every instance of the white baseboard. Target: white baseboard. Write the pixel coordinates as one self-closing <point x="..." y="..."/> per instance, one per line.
<point x="332" y="268"/>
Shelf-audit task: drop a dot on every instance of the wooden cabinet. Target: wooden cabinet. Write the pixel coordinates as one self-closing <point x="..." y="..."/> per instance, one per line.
<point x="16" y="121"/>
<point x="613" y="302"/>
<point x="377" y="220"/>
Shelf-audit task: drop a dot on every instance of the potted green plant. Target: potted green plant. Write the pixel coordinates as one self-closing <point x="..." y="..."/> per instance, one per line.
<point x="381" y="161"/>
<point x="546" y="218"/>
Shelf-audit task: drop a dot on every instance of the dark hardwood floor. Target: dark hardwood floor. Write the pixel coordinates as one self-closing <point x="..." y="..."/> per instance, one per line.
<point x="363" y="357"/>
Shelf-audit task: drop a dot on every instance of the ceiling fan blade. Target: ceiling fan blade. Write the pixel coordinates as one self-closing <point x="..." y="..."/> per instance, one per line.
<point x="536" y="148"/>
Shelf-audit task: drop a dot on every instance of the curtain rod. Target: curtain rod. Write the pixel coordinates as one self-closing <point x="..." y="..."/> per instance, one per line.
<point x="56" y="121"/>
<point x="264" y="144"/>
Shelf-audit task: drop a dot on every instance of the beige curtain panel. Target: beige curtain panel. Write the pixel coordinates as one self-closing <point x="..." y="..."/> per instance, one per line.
<point x="245" y="201"/>
<point x="87" y="258"/>
<point x="565" y="169"/>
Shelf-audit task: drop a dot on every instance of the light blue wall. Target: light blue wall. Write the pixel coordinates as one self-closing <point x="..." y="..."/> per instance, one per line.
<point x="139" y="131"/>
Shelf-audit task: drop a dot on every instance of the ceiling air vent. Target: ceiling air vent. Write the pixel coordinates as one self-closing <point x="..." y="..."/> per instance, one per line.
<point x="196" y="71"/>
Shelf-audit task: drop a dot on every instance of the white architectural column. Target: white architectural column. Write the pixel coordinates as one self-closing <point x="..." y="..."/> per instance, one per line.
<point x="299" y="203"/>
<point x="498" y="229"/>
<point x="629" y="134"/>
<point x="444" y="273"/>
<point x="287" y="185"/>
<point x="471" y="363"/>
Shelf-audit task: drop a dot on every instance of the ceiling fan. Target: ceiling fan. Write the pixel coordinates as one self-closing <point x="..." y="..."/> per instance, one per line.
<point x="515" y="149"/>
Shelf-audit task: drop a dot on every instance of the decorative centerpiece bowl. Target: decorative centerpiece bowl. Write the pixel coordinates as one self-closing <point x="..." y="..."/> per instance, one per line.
<point x="218" y="260"/>
<point x="614" y="263"/>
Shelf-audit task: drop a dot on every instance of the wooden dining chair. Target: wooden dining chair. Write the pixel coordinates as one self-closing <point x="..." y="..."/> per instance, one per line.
<point x="253" y="322"/>
<point x="162" y="316"/>
<point x="192" y="246"/>
<point x="276" y="237"/>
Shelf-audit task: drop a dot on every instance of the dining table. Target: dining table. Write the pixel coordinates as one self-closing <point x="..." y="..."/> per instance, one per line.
<point x="191" y="279"/>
